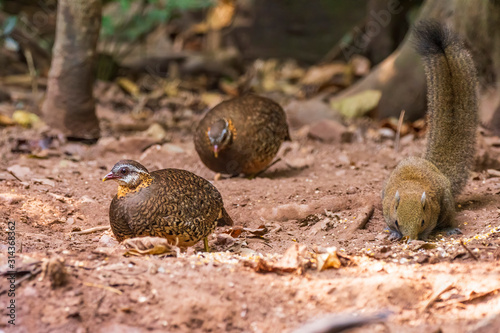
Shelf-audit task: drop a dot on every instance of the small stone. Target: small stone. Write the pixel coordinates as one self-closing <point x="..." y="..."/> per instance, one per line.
<point x="360" y="65"/>
<point x="305" y="112"/>
<point x="493" y="173"/>
<point x="156" y="132"/>
<point x="225" y="239"/>
<point x="171" y="148"/>
<point x="87" y="199"/>
<point x="407" y="139"/>
<point x="107" y="241"/>
<point x="44" y="181"/>
<point x="129" y="145"/>
<point x="343" y="159"/>
<point x="55" y="269"/>
<point x="351" y="190"/>
<point x="327" y="131"/>
<point x="11" y="199"/>
<point x="300" y="162"/>
<point x="387" y="133"/>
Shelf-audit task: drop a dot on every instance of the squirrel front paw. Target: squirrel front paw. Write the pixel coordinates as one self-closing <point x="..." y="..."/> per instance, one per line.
<point x="394" y="235"/>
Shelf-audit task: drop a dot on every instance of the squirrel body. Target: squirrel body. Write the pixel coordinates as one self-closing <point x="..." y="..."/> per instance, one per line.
<point x="419" y="195"/>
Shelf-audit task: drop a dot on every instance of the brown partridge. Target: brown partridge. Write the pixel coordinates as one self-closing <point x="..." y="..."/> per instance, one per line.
<point x="241" y="135"/>
<point x="171" y="203"/>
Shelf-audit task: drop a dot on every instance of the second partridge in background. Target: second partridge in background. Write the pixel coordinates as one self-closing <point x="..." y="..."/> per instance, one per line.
<point x="241" y="135"/>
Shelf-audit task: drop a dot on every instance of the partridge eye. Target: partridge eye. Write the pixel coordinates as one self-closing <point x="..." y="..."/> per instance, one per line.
<point x="422" y="224"/>
<point x="124" y="171"/>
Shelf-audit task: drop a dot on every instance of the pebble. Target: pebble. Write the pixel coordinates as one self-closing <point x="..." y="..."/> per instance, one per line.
<point x="327" y="131"/>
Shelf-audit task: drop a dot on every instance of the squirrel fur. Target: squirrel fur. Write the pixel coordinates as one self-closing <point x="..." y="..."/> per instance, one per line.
<point x="419" y="194"/>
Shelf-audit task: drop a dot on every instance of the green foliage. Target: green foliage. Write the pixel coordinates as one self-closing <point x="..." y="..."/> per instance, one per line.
<point x="136" y="18"/>
<point x="6" y="30"/>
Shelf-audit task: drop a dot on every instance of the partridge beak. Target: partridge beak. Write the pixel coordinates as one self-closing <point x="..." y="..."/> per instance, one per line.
<point x="109" y="176"/>
<point x="216" y="151"/>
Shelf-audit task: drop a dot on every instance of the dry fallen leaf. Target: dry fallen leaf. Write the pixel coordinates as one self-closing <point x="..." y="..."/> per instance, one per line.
<point x="218" y="17"/>
<point x="292" y="261"/>
<point x="25" y="118"/>
<point x="149" y="245"/>
<point x="357" y="105"/>
<point x="324" y="74"/>
<point x="5" y="120"/>
<point x="235" y="231"/>
<point x="260" y="231"/>
<point x="328" y="260"/>
<point x="128" y="86"/>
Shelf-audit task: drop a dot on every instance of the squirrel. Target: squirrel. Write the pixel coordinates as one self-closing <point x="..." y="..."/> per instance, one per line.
<point x="419" y="195"/>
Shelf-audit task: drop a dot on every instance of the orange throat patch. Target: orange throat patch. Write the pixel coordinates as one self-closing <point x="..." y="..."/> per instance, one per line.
<point x="124" y="190"/>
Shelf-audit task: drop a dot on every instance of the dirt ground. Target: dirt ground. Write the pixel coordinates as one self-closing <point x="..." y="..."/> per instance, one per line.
<point x="315" y="196"/>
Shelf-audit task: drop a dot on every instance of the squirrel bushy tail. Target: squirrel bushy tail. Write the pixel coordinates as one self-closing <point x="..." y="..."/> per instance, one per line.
<point x="452" y="101"/>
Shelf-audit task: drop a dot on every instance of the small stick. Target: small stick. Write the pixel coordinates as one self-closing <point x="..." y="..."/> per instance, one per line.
<point x="398" y="133"/>
<point x="91" y="230"/>
<point x="368" y="213"/>
<point x="32" y="70"/>
<point x="437" y="295"/>
<point x="468" y="251"/>
<point x="11" y="173"/>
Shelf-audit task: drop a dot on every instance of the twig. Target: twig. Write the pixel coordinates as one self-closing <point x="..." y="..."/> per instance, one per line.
<point x="365" y="216"/>
<point x="13" y="175"/>
<point x="398" y="133"/>
<point x="368" y="213"/>
<point x="468" y="251"/>
<point x="28" y="275"/>
<point x="108" y="288"/>
<point x="32" y="70"/>
<point x="472" y="297"/>
<point x="91" y="230"/>
<point x="436" y="296"/>
<point x="479" y="295"/>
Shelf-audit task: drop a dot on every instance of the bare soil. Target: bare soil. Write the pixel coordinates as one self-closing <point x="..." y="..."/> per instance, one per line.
<point x="314" y="196"/>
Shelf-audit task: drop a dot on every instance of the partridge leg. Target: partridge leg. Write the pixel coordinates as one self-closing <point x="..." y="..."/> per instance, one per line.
<point x="205" y="243"/>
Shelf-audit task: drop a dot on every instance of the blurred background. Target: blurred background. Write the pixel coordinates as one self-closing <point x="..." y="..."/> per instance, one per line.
<point x="165" y="62"/>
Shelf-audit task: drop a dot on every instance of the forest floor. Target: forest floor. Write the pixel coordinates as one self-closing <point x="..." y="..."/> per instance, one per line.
<point x="315" y="196"/>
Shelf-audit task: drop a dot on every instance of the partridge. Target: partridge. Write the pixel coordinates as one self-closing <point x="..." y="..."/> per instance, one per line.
<point x="241" y="135"/>
<point x="171" y="203"/>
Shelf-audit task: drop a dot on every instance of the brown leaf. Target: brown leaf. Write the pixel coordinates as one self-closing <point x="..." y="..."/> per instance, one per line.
<point x="323" y="74"/>
<point x="149" y="245"/>
<point x="328" y="260"/>
<point x="292" y="261"/>
<point x="6" y="121"/>
<point x="25" y="118"/>
<point x="128" y="86"/>
<point x="260" y="231"/>
<point x="218" y="17"/>
<point x="235" y="231"/>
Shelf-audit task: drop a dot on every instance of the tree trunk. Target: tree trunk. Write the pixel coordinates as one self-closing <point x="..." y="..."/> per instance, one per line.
<point x="388" y="24"/>
<point x="69" y="105"/>
<point x="401" y="79"/>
